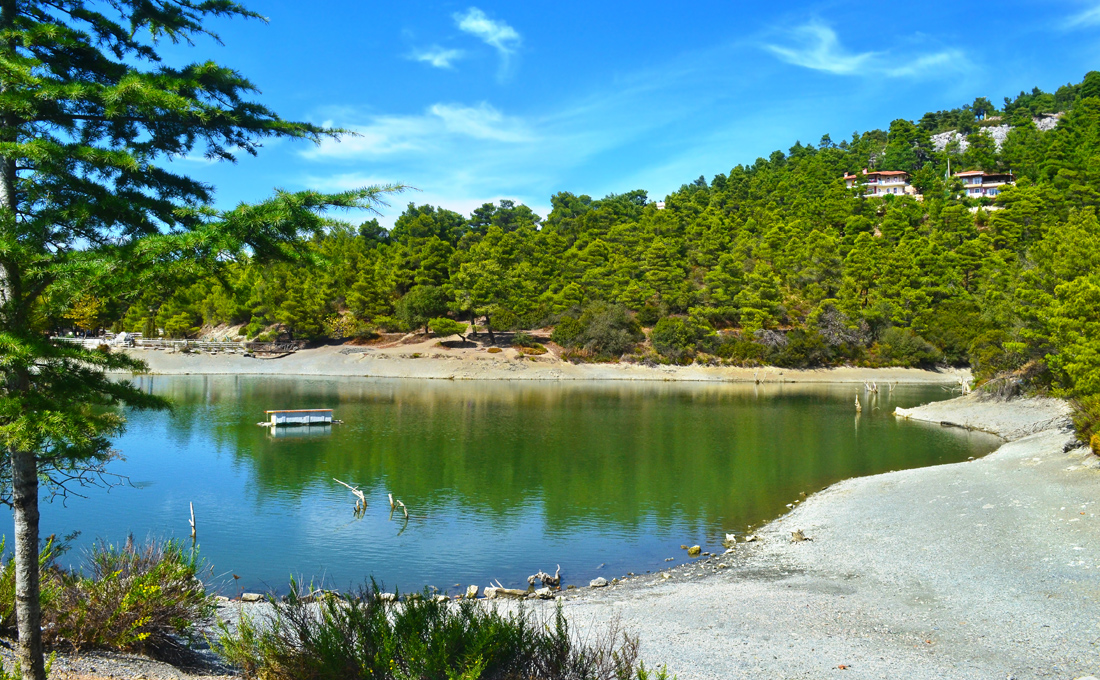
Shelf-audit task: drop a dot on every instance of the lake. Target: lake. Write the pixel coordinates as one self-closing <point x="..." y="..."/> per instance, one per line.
<point x="501" y="479"/>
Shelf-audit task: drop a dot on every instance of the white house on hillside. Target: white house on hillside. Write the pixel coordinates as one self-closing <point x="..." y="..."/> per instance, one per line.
<point x="883" y="182"/>
<point x="981" y="184"/>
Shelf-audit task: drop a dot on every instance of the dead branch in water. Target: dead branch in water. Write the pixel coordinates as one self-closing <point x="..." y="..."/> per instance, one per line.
<point x="361" y="498"/>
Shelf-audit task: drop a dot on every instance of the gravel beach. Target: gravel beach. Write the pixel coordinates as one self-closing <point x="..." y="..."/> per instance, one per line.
<point x="984" y="569"/>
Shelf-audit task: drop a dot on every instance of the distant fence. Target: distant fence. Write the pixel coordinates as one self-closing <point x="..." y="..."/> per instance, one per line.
<point x="278" y="347"/>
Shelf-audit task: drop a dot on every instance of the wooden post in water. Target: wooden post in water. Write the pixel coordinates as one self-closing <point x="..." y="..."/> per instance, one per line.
<point x="193" y="533"/>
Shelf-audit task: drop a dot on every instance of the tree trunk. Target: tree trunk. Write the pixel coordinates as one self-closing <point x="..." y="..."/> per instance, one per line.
<point x="28" y="613"/>
<point x="489" y="328"/>
<point x="473" y="323"/>
<point x="24" y="464"/>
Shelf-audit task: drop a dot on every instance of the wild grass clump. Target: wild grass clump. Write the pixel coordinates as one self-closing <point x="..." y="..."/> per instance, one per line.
<point x="132" y="598"/>
<point x="345" y="637"/>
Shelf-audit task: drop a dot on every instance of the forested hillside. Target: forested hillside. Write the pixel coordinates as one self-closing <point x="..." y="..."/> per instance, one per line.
<point x="775" y="262"/>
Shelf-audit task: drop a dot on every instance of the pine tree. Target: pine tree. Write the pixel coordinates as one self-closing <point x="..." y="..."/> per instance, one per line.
<point x="89" y="116"/>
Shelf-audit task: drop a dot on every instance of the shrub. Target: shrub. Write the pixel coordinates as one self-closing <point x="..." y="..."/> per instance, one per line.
<point x="903" y="347"/>
<point x="676" y="337"/>
<point x="803" y="349"/>
<point x="1086" y="416"/>
<point x="132" y="598"/>
<point x="737" y="349"/>
<point x="524" y="339"/>
<point x="602" y="330"/>
<point x="567" y="331"/>
<point x="390" y="324"/>
<point x="363" y="636"/>
<point x="444" y="327"/>
<point x="420" y="305"/>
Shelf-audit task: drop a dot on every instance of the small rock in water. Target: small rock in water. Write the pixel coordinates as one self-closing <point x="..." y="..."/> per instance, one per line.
<point x="597" y="582"/>
<point x="694" y="551"/>
<point x="252" y="597"/>
<point x="471" y="592"/>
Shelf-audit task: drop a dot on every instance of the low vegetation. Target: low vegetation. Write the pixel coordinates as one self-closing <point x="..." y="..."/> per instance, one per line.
<point x="133" y="598"/>
<point x="366" y="637"/>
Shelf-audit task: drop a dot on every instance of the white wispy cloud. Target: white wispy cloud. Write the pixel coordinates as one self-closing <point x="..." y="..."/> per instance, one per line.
<point x="437" y="56"/>
<point x="1089" y="17"/>
<point x="815" y="45"/>
<point x="418" y="133"/>
<point x="497" y="34"/>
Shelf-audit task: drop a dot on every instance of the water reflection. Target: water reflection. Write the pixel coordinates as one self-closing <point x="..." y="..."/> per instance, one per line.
<point x="500" y="478"/>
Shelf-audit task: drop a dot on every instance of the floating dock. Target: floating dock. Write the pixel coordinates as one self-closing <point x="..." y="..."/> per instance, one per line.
<point x="300" y="417"/>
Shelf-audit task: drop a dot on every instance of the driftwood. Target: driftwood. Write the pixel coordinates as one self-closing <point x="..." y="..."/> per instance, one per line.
<point x="493" y="592"/>
<point x="361" y="498"/>
<point x="546" y="579"/>
<point x="859" y="406"/>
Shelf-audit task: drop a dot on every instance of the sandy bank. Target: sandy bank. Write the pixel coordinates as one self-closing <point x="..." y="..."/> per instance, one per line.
<point x="984" y="569"/>
<point x="433" y="362"/>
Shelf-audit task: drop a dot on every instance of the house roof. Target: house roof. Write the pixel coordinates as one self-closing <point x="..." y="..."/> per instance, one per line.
<point x="982" y="173"/>
<point x="888" y="173"/>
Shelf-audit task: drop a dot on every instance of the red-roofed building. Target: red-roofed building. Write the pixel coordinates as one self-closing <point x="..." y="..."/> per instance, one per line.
<point x="883" y="183"/>
<point x="981" y="184"/>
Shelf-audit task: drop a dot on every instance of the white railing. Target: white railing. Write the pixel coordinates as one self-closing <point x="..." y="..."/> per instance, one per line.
<point x="160" y="343"/>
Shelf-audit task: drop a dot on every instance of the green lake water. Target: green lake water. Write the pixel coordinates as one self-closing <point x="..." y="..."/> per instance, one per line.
<point x="501" y="478"/>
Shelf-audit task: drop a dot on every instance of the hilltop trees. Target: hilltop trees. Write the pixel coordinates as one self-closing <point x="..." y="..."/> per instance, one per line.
<point x="88" y="211"/>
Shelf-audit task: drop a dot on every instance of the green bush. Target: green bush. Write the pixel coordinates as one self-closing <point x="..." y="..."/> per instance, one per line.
<point x="524" y="339"/>
<point x="600" y="331"/>
<point x="444" y="327"/>
<point x="390" y="324"/>
<point x="567" y="331"/>
<point x="803" y="349"/>
<point x="421" y="304"/>
<point x="903" y="347"/>
<point x="1086" y="416"/>
<point x="677" y="337"/>
<point x="129" y="598"/>
<point x="737" y="349"/>
<point x="363" y="637"/>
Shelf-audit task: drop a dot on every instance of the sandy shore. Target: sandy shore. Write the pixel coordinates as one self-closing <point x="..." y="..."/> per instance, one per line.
<point x="429" y="360"/>
<point x="984" y="569"/>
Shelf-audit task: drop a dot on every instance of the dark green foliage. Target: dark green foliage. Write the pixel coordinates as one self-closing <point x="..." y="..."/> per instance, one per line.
<point x="677" y="338"/>
<point x="366" y="638"/>
<point x="444" y="327"/>
<point x="524" y="339"/>
<point x="903" y="347"/>
<point x="600" y="330"/>
<point x="1086" y="416"/>
<point x="420" y="305"/>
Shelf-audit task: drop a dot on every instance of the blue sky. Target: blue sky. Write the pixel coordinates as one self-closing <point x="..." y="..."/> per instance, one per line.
<point x="477" y="102"/>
